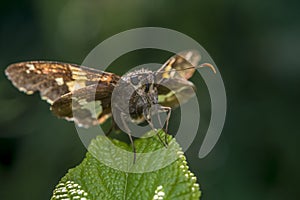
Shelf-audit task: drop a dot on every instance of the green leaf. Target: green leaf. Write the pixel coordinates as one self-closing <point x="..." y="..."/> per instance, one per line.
<point x="121" y="177"/>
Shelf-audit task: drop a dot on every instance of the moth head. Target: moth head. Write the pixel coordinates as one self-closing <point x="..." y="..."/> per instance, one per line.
<point x="142" y="81"/>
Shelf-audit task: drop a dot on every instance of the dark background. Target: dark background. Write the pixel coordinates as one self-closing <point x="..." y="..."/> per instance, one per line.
<point x="255" y="44"/>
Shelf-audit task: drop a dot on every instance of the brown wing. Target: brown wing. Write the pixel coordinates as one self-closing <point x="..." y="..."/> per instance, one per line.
<point x="54" y="79"/>
<point x="172" y="92"/>
<point x="173" y="77"/>
<point x="180" y="65"/>
<point x="86" y="106"/>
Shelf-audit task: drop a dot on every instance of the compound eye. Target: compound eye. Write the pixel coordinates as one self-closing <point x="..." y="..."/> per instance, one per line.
<point x="147" y="87"/>
<point x="134" y="80"/>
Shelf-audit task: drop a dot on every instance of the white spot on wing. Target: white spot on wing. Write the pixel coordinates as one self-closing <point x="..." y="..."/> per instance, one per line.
<point x="26" y="91"/>
<point x="59" y="81"/>
<point x="30" y="67"/>
<point x="75" y="85"/>
<point x="47" y="99"/>
<point x="94" y="107"/>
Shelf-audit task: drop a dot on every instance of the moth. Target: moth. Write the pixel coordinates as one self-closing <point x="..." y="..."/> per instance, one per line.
<point x="84" y="95"/>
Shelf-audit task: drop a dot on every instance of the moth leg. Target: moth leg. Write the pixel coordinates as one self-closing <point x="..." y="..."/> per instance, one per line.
<point x="148" y="120"/>
<point x="123" y="115"/>
<point x="109" y="130"/>
<point x="153" y="128"/>
<point x="166" y="125"/>
<point x="113" y="127"/>
<point x="161" y="140"/>
<point x="159" y="120"/>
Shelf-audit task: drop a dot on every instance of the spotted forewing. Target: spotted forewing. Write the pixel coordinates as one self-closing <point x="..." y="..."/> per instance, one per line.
<point x="74" y="91"/>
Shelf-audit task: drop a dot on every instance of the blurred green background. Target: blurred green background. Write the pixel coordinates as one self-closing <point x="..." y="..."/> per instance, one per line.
<point x="255" y="44"/>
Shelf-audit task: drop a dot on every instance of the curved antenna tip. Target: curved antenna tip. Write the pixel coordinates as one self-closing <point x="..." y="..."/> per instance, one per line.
<point x="208" y="65"/>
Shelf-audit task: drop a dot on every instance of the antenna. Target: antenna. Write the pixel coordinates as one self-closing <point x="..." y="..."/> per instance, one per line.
<point x="193" y="67"/>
